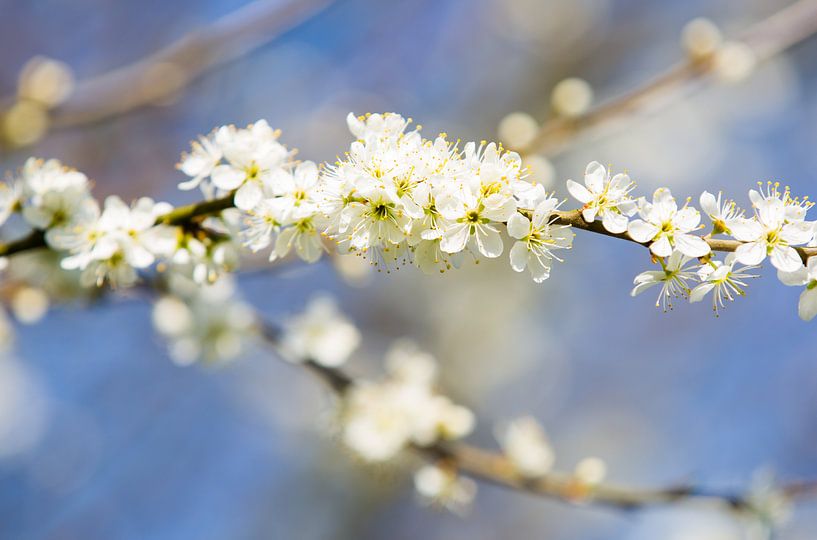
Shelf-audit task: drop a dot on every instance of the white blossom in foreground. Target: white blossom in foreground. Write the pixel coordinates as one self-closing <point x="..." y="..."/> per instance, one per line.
<point x="320" y="334"/>
<point x="537" y="240"/>
<point x="52" y="194"/>
<point x="605" y="197"/>
<point x="724" y="279"/>
<point x="722" y="212"/>
<point x="526" y="447"/>
<point x="667" y="228"/>
<point x="115" y="244"/>
<point x="674" y="279"/>
<point x="806" y="275"/>
<point x="439" y="485"/>
<point x="777" y="226"/>
<point x="236" y="159"/>
<point x="380" y="419"/>
<point x="204" y="323"/>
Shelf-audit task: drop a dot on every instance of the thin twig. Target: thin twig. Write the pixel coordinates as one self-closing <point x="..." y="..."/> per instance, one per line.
<point x="164" y="73"/>
<point x="769" y="37"/>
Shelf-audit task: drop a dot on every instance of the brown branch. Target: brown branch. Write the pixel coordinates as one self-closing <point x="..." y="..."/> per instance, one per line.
<point x="769" y="37"/>
<point x="164" y="73"/>
<point x="574" y="219"/>
<point x="495" y="468"/>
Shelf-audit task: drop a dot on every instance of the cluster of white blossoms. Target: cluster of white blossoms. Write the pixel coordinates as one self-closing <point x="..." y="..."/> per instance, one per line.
<point x="396" y="197"/>
<point x="381" y="419"/>
<point x="775" y="229"/>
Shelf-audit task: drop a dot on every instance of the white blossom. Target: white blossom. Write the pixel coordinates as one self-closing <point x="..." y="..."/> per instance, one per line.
<point x="605" y="197"/>
<point x="674" y="279"/>
<point x="320" y="334"/>
<point x="805" y="275"/>
<point x="380" y="419"/>
<point x="776" y="227"/>
<point x="667" y="228"/>
<point x="442" y="486"/>
<point x="724" y="279"/>
<point x="114" y="244"/>
<point x="53" y="195"/>
<point x="537" y="240"/>
<point x="526" y="446"/>
<point x="205" y="322"/>
<point x="722" y="212"/>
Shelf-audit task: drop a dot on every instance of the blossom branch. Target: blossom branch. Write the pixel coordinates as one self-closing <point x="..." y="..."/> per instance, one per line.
<point x="765" y="39"/>
<point x="574" y="219"/>
<point x="498" y="469"/>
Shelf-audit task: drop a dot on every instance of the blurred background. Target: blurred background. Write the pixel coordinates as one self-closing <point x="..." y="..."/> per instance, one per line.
<point x="101" y="436"/>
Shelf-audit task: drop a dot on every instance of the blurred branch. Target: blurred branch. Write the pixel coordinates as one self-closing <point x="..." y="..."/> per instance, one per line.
<point x="769" y="37"/>
<point x="163" y="74"/>
<point x="495" y="468"/>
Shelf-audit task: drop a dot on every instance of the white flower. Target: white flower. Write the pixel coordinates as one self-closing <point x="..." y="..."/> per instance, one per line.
<point x="537" y="239"/>
<point x="53" y="195"/>
<point x="380" y="419"/>
<point x="207" y="323"/>
<point x="443" y="486"/>
<point x="724" y="279"/>
<point x="376" y="126"/>
<point x="527" y="448"/>
<point x="805" y="275"/>
<point x="667" y="228"/>
<point x="200" y="162"/>
<point x="605" y="197"/>
<point x="775" y="228"/>
<point x="10" y="196"/>
<point x="722" y="212"/>
<point x="114" y="244"/>
<point x="673" y="279"/>
<point x="236" y="159"/>
<point x="470" y="218"/>
<point x="321" y="334"/>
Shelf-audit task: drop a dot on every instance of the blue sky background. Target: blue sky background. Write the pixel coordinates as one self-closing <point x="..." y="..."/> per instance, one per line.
<point x="101" y="436"/>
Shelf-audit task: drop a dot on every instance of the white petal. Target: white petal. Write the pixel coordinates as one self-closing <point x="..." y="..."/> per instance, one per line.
<point x="579" y="192"/>
<point x="661" y="247"/>
<point x="594" y="176"/>
<point x="248" y="196"/>
<point x="614" y="222"/>
<point x="751" y="254"/>
<point x="797" y="233"/>
<point x="691" y="245"/>
<point x="489" y="242"/>
<point x="454" y="238"/>
<point x="519" y="256"/>
<point x="794" y="279"/>
<point x="807" y="308"/>
<point x="709" y="204"/>
<point x="641" y="231"/>
<point x="745" y="230"/>
<point x="686" y="219"/>
<point x="518" y="226"/>
<point x="227" y="178"/>
<point x="699" y="292"/>
<point x="786" y="258"/>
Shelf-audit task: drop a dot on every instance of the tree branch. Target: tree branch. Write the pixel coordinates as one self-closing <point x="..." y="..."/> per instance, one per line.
<point x="495" y="468"/>
<point x="769" y="37"/>
<point x="167" y="71"/>
<point x="574" y="219"/>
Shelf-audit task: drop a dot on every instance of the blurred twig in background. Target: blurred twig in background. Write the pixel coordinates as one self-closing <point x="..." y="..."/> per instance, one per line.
<point x="495" y="468"/>
<point x="149" y="81"/>
<point x="765" y="39"/>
